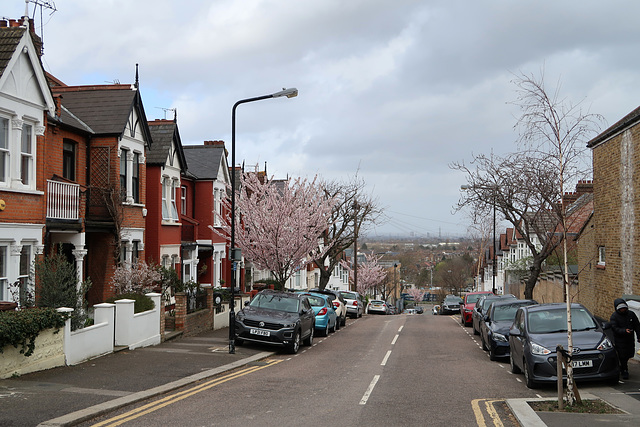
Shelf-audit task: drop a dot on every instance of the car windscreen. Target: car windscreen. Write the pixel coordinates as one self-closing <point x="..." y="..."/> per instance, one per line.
<point x="349" y="295"/>
<point x="503" y="313"/>
<point x="473" y="298"/>
<point x="276" y="302"/>
<point x="452" y="300"/>
<point x="552" y="321"/>
<point x="377" y="302"/>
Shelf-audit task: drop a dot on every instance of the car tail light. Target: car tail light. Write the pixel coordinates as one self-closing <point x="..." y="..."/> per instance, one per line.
<point x="355" y="303"/>
<point x="336" y="304"/>
<point x="322" y="311"/>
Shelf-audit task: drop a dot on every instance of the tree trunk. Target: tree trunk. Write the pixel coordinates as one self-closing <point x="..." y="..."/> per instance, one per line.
<point x="534" y="272"/>
<point x="325" y="275"/>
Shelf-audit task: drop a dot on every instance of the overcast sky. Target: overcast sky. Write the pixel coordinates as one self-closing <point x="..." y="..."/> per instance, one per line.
<point x="394" y="90"/>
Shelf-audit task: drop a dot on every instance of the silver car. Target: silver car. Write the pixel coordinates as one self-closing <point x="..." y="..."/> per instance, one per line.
<point x="355" y="304"/>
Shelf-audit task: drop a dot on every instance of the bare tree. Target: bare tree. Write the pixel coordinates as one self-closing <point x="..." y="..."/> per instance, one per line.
<point x="556" y="131"/>
<point x="353" y="211"/>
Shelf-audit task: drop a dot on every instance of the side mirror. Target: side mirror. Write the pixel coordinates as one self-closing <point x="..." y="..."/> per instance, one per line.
<point x="515" y="332"/>
<point x="606" y="325"/>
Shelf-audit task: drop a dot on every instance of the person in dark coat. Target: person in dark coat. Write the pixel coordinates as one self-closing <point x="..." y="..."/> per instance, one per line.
<point x="624" y="323"/>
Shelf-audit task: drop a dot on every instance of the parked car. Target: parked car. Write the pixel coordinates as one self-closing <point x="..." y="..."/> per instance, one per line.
<point x="481" y="307"/>
<point x="494" y="329"/>
<point x="355" y="304"/>
<point x="278" y="318"/>
<point x="419" y="309"/>
<point x="392" y="309"/>
<point x="378" y="307"/>
<point x="450" y="305"/>
<point x="468" y="303"/>
<point x="538" y="329"/>
<point x="339" y="304"/>
<point x="326" y="318"/>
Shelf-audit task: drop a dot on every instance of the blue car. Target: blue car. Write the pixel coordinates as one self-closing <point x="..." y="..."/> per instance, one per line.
<point x="326" y="317"/>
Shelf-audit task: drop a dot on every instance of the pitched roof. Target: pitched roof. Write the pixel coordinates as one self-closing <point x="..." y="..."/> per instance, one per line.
<point x="627" y="121"/>
<point x="105" y="109"/>
<point x="204" y="160"/>
<point x="9" y="39"/>
<point x="163" y="134"/>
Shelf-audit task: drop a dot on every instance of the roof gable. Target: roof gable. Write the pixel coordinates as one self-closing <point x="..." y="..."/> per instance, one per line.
<point x="207" y="162"/>
<point x="21" y="74"/>
<point x="167" y="146"/>
<point x="107" y="109"/>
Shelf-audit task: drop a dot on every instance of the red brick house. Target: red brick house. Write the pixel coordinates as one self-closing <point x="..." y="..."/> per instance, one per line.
<point x="204" y="186"/>
<point x="165" y="164"/>
<point x="104" y="135"/>
<point x="25" y="102"/>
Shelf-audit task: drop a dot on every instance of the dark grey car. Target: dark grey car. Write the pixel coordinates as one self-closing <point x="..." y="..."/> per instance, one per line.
<point x="481" y="307"/>
<point x="277" y="318"/>
<point x="538" y="329"/>
<point x="494" y="330"/>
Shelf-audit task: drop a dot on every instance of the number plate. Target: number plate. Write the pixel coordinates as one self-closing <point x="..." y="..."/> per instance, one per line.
<point x="260" y="332"/>
<point x="582" y="363"/>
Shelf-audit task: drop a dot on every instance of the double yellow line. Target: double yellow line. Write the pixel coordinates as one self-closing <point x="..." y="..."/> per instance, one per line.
<point x="491" y="410"/>
<point x="158" y="404"/>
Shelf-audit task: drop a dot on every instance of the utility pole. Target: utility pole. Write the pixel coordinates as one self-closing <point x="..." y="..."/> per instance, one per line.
<point x="355" y="247"/>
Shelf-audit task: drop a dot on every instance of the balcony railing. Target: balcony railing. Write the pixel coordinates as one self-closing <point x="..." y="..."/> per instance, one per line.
<point x="63" y="200"/>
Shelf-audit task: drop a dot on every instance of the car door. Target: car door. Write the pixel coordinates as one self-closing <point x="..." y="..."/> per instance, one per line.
<point x="516" y="343"/>
<point x="307" y="317"/>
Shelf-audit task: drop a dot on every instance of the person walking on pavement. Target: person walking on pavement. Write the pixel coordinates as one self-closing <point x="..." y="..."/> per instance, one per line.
<point x="624" y="323"/>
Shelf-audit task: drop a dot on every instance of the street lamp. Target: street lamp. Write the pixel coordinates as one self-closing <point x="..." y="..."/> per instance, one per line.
<point x="236" y="255"/>
<point x="493" y="188"/>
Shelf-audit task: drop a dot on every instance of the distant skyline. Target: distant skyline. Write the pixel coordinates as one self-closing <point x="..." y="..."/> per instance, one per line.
<point x="394" y="91"/>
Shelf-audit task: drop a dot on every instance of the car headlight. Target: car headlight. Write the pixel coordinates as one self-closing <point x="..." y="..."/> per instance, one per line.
<point x="240" y="317"/>
<point x="540" y="350"/>
<point x="605" y="344"/>
<point x="498" y="337"/>
<point x="288" y="325"/>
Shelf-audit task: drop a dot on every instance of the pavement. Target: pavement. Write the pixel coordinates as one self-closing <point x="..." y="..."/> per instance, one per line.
<point x="71" y="395"/>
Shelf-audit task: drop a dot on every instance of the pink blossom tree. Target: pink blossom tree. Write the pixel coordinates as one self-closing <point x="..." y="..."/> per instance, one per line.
<point x="282" y="221"/>
<point x="139" y="277"/>
<point x="416" y="293"/>
<point x="370" y="273"/>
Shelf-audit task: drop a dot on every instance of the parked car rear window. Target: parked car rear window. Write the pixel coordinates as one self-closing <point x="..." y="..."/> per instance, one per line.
<point x="276" y="302"/>
<point x="349" y="295"/>
<point x="316" y="301"/>
<point x="551" y="321"/>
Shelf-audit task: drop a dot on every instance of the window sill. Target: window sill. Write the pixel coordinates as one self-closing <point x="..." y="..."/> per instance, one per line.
<point x="22" y="190"/>
<point x="170" y="222"/>
<point x="601" y="266"/>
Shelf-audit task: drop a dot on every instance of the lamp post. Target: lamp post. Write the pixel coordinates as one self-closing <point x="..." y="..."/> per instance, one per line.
<point x="493" y="188"/>
<point x="236" y="255"/>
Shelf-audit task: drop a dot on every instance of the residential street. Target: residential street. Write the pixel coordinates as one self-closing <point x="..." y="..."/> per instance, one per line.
<point x="396" y="370"/>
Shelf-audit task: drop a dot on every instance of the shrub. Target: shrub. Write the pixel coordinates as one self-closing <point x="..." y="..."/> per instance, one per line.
<point x="21" y="327"/>
<point x="58" y="287"/>
<point x="142" y="302"/>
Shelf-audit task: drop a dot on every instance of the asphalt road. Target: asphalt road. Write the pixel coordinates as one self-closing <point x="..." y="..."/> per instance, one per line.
<point x="399" y="370"/>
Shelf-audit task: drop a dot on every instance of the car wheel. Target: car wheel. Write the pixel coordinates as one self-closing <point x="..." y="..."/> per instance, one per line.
<point x="325" y="331"/>
<point x="528" y="376"/>
<point x="492" y="354"/>
<point x="295" y="342"/>
<point x="338" y="321"/>
<point x="360" y="314"/>
<point x="343" y="322"/>
<point x="462" y="320"/>
<point x="514" y="367"/>
<point x="333" y="328"/>
<point x="239" y="341"/>
<point x="484" y="346"/>
<point x="309" y="340"/>
<point x="475" y="331"/>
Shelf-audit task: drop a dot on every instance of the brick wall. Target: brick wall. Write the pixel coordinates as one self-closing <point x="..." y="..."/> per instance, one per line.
<point x="616" y="181"/>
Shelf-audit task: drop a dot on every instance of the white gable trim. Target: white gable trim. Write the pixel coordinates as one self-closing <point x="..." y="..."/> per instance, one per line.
<point x="26" y="46"/>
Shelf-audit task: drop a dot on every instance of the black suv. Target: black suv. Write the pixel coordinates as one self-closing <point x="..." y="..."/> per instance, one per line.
<point x="278" y="318"/>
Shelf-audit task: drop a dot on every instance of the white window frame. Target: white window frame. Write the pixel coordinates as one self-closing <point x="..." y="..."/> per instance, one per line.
<point x="5" y="150"/>
<point x="27" y="154"/>
<point x="183" y="199"/>
<point x="602" y="255"/>
<point x="174" y="208"/>
<point x="4" y="272"/>
<point x="165" y="204"/>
